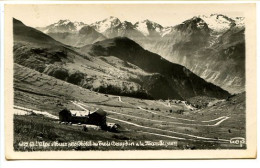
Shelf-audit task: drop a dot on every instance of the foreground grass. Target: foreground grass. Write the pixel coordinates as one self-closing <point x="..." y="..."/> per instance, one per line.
<point x="41" y="129"/>
<point x="44" y="130"/>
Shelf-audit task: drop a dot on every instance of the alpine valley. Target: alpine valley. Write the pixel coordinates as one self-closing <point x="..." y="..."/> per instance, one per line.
<point x="212" y="46"/>
<point x="130" y="83"/>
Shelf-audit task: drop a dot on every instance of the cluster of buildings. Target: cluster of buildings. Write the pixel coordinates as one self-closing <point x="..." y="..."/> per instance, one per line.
<point x="97" y="117"/>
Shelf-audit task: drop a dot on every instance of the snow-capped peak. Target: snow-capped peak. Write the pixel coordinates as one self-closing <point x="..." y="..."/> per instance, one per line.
<point x="127" y="25"/>
<point x="64" y="26"/>
<point x="218" y="22"/>
<point x="103" y="25"/>
<point x="62" y="22"/>
<point x="193" y="25"/>
<point x="240" y="21"/>
<point x="147" y="26"/>
<point x="79" y="25"/>
<point x="112" y="18"/>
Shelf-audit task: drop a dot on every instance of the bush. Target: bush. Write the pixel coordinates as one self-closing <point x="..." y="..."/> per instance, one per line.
<point x="76" y="78"/>
<point x="180" y="111"/>
<point x="61" y="73"/>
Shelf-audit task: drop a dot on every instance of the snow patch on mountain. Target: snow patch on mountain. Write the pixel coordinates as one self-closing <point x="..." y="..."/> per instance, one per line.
<point x="147" y="26"/>
<point x="79" y="25"/>
<point x="240" y="21"/>
<point x="142" y="27"/>
<point x="166" y="30"/>
<point x="217" y="22"/>
<point x="221" y="23"/>
<point x="127" y="25"/>
<point x="63" y="26"/>
<point x="102" y="26"/>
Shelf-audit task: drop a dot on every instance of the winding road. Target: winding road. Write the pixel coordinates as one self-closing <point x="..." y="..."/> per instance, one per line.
<point x="162" y="130"/>
<point x="26" y="111"/>
<point x="178" y="133"/>
<point x="220" y="119"/>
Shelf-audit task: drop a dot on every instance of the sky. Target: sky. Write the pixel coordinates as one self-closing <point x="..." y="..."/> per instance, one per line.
<point x="39" y="15"/>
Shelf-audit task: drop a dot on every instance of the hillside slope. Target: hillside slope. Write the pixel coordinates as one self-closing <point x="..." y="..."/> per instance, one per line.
<point x="86" y="35"/>
<point x="117" y="66"/>
<point x="212" y="49"/>
<point x="211" y="46"/>
<point x="179" y="79"/>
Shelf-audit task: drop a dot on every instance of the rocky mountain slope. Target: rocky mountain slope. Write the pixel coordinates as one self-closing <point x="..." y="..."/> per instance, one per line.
<point x="62" y="26"/>
<point x="212" y="51"/>
<point x="72" y="33"/>
<point x="116" y="66"/>
<point x="211" y="46"/>
<point x="170" y="77"/>
<point x="38" y="51"/>
<point x="86" y="35"/>
<point x="112" y="27"/>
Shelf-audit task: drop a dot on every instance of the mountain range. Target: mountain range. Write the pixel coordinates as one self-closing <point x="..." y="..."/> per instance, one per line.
<point x="116" y="65"/>
<point x="211" y="46"/>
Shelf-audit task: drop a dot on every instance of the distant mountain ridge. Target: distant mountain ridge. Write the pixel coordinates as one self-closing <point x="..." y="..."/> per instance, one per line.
<point x="116" y="66"/>
<point x="215" y="53"/>
<point x="206" y="44"/>
<point x="62" y="26"/>
<point x="215" y="22"/>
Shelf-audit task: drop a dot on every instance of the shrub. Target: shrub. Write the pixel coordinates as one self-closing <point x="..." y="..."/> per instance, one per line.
<point x="76" y="78"/>
<point x="180" y="111"/>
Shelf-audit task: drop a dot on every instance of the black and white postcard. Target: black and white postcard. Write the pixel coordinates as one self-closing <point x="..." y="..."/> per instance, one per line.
<point x="130" y="81"/>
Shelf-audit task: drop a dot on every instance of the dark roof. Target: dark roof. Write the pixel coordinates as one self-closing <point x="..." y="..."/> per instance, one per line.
<point x="65" y="110"/>
<point x="100" y="112"/>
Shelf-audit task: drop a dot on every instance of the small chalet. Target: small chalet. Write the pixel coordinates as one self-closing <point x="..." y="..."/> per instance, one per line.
<point x="97" y="117"/>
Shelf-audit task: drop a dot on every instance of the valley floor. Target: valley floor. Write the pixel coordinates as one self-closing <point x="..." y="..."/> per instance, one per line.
<point x="152" y="122"/>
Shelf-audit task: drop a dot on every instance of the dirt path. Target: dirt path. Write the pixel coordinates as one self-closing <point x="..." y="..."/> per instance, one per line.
<point x="158" y="129"/>
<point x="206" y="139"/>
<point x="164" y="115"/>
<point x="178" y="123"/>
<point x="78" y="104"/>
<point x="119" y="99"/>
<point x="215" y="119"/>
<point x="190" y="107"/>
<point x="25" y="111"/>
<point x="223" y="118"/>
<point x="166" y="105"/>
<point x="178" y="133"/>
